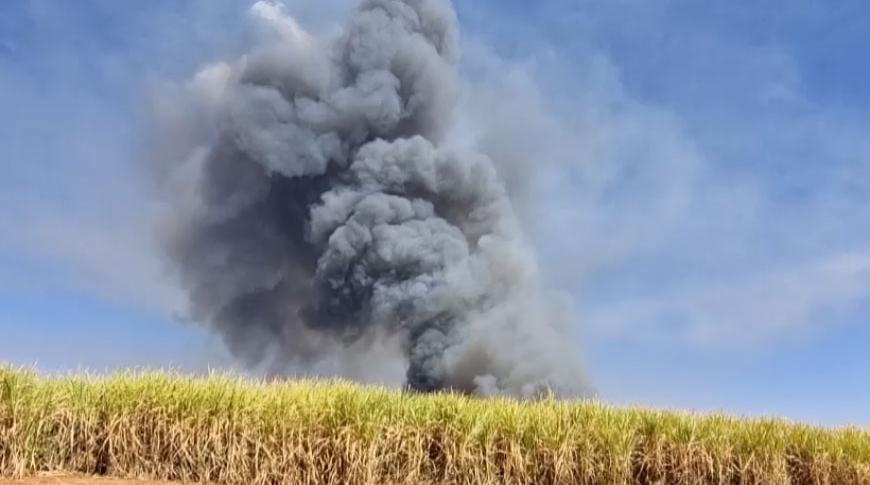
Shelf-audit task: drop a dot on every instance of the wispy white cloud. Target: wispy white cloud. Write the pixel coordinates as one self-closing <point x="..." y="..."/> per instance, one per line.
<point x="746" y="310"/>
<point x="108" y="257"/>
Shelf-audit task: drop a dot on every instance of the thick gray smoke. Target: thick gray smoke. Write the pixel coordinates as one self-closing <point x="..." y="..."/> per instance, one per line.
<point x="315" y="214"/>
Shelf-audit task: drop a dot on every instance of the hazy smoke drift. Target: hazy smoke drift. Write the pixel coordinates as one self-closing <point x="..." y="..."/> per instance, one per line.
<point x="317" y="216"/>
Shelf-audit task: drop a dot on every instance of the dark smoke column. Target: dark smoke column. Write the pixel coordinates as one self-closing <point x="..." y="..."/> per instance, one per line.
<point x="314" y="215"/>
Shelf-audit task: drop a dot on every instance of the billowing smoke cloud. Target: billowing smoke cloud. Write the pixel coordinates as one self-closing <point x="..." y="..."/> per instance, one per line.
<point x="315" y="214"/>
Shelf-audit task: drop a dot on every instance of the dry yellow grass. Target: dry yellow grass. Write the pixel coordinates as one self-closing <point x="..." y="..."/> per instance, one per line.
<point x="233" y="431"/>
<point x="72" y="479"/>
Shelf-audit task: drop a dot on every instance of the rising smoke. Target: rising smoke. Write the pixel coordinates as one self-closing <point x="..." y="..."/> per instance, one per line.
<point x="315" y="215"/>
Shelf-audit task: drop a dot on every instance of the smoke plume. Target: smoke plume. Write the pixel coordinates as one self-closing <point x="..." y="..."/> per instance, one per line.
<point x="316" y="215"/>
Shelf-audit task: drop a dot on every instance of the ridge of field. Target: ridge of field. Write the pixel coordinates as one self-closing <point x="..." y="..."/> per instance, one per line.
<point x="228" y="430"/>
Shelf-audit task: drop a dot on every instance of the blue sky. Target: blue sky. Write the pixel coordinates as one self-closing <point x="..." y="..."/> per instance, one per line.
<point x="700" y="185"/>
